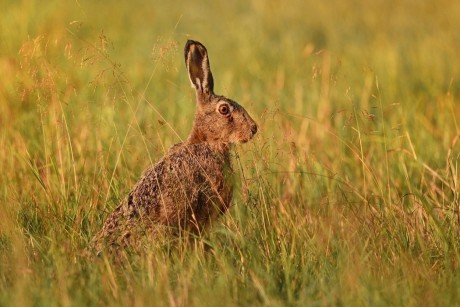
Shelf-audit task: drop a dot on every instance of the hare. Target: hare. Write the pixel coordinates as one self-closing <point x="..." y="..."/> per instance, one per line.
<point x="191" y="185"/>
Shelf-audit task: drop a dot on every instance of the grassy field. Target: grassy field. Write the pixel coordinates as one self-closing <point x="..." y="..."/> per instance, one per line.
<point x="349" y="195"/>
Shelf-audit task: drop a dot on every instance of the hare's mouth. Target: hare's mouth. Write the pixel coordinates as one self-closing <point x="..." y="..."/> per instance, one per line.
<point x="241" y="138"/>
<point x="242" y="141"/>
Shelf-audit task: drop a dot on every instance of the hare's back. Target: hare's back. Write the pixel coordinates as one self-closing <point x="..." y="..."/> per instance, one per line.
<point x="190" y="180"/>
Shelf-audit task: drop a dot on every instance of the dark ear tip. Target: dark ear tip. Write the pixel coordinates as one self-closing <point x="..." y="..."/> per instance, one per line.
<point x="188" y="43"/>
<point x="192" y="42"/>
<point x="198" y="47"/>
<point x="187" y="47"/>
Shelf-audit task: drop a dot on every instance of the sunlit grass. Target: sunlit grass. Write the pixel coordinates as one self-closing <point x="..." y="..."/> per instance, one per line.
<point x="349" y="194"/>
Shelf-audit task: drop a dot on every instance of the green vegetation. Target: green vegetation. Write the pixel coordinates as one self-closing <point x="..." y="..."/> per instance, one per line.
<point x="349" y="194"/>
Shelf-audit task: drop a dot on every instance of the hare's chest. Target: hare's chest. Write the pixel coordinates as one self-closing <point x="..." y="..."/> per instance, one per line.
<point x="215" y="192"/>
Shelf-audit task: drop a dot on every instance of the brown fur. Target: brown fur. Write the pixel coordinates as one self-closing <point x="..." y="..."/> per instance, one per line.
<point x="190" y="187"/>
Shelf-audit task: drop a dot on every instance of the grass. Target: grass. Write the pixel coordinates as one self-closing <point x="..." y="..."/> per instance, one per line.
<point x="349" y="194"/>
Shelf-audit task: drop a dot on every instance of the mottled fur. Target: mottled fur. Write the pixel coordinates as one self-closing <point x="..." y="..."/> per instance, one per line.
<point x="190" y="187"/>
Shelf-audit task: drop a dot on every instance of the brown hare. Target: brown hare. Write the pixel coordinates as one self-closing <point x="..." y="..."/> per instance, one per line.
<point x="190" y="186"/>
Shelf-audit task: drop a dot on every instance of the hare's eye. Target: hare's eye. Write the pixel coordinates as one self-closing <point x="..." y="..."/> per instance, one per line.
<point x="224" y="109"/>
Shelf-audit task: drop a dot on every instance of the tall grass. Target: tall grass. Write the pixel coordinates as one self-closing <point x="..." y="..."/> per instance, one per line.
<point x="349" y="194"/>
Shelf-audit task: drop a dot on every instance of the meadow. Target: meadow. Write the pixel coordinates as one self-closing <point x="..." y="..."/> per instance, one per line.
<point x="349" y="195"/>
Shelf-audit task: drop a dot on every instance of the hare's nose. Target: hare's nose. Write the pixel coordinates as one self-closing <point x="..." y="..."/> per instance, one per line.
<point x="254" y="129"/>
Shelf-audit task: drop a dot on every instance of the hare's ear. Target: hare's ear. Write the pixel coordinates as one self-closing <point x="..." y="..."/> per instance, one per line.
<point x="199" y="71"/>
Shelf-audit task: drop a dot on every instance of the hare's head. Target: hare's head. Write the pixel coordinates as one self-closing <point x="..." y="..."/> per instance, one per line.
<point x="218" y="119"/>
